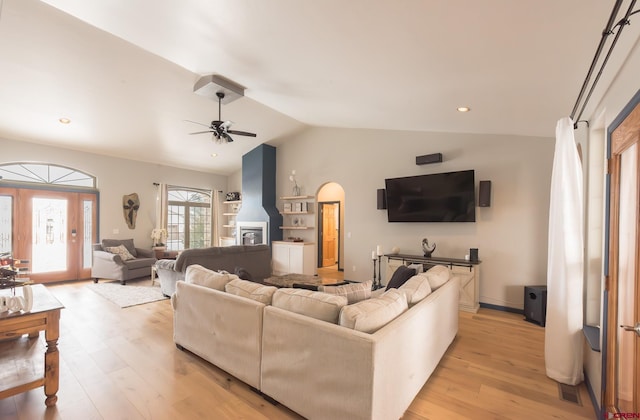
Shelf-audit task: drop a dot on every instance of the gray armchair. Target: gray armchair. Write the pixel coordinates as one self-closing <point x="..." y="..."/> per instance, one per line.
<point x="111" y="266"/>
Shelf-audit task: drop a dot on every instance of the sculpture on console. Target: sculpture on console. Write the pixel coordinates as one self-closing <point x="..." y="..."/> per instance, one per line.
<point x="426" y="248"/>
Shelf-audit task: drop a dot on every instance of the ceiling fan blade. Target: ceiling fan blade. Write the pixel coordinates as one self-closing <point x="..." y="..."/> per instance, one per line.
<point x="202" y="132"/>
<point x="241" y="133"/>
<point x="195" y="122"/>
<point x="227" y="137"/>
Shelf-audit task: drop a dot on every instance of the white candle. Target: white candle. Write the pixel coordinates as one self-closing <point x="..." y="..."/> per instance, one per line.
<point x="379" y="250"/>
<point x="373" y="255"/>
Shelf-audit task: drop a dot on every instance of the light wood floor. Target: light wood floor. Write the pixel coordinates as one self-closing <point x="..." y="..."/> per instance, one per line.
<point x="122" y="364"/>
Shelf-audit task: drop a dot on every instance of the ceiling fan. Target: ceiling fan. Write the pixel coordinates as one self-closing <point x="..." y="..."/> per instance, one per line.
<point x="219" y="128"/>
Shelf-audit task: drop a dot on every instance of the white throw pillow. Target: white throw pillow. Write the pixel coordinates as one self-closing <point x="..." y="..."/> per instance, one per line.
<point x="354" y="292"/>
<point x="197" y="274"/>
<point x="122" y="251"/>
<point x="313" y="304"/>
<point x="437" y="275"/>
<point x="372" y="314"/>
<point x="248" y="289"/>
<point x="416" y="289"/>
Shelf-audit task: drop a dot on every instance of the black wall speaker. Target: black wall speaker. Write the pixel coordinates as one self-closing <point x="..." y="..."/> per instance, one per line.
<point x="484" y="194"/>
<point x="382" y="199"/>
<point x="473" y="254"/>
<point x="426" y="159"/>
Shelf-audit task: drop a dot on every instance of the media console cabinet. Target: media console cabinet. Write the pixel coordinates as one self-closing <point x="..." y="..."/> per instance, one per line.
<point x="468" y="271"/>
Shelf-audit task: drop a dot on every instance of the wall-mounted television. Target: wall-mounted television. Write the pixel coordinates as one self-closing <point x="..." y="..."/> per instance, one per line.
<point x="443" y="197"/>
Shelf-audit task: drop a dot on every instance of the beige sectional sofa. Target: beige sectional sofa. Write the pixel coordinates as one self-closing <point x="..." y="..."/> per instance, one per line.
<point x="308" y="350"/>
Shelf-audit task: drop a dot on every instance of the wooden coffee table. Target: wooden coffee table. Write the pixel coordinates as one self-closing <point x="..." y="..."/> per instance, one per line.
<point x="16" y="351"/>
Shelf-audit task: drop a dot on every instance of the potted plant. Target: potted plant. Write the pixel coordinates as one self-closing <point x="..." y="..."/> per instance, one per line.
<point x="159" y="237"/>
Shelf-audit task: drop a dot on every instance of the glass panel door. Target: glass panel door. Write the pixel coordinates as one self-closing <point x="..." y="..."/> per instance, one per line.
<point x="54" y="230"/>
<point x="49" y="235"/>
<point x="6" y="220"/>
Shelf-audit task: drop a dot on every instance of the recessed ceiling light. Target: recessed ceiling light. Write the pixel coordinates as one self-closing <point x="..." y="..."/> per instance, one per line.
<point x="64" y="120"/>
<point x="214" y="155"/>
<point x="464" y="109"/>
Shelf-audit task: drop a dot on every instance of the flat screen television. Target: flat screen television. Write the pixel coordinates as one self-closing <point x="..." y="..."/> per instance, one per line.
<point x="444" y="197"/>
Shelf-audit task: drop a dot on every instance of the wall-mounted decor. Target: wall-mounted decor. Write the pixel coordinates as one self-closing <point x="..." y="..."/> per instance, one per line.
<point x="381" y="199"/>
<point x="427" y="159"/>
<point x="130" y="207"/>
<point x="484" y="194"/>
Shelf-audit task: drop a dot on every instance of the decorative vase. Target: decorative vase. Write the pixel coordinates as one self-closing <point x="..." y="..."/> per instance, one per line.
<point x="427" y="249"/>
<point x="296" y="190"/>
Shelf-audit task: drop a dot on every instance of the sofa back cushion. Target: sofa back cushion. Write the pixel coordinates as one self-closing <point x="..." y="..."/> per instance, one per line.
<point x="250" y="290"/>
<point x="416" y="289"/>
<point x="197" y="274"/>
<point x="256" y="259"/>
<point x="437" y="275"/>
<point x="354" y="292"/>
<point x="372" y="314"/>
<point x="316" y="305"/>
<point x="128" y="243"/>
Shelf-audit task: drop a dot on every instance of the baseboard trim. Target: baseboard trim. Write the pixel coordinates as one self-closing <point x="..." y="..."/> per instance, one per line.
<point x="501" y="308"/>
<point x="594" y="401"/>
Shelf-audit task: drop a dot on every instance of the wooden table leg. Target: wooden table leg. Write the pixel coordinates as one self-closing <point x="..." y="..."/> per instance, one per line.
<point x="52" y="359"/>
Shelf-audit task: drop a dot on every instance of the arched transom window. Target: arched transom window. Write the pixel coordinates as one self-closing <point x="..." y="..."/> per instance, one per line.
<point x="45" y="173"/>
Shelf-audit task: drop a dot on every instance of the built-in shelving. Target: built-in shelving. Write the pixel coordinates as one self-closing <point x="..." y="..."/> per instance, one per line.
<point x="295" y="210"/>
<point x="232" y="209"/>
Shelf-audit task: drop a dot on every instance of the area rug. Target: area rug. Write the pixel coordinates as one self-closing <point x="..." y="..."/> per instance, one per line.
<point x="131" y="294"/>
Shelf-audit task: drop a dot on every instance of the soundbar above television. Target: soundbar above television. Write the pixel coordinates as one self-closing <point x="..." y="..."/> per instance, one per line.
<point x="443" y="197"/>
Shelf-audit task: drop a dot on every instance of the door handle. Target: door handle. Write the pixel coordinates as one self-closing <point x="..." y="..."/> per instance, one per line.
<point x="629" y="328"/>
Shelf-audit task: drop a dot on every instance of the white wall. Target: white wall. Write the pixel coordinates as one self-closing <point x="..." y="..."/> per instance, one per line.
<point x="116" y="177"/>
<point x="511" y="234"/>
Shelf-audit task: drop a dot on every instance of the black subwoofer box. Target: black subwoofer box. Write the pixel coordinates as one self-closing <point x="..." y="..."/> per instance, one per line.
<point x="535" y="304"/>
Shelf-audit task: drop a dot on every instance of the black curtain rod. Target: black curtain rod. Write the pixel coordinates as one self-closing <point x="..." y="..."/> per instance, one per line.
<point x="607" y="31"/>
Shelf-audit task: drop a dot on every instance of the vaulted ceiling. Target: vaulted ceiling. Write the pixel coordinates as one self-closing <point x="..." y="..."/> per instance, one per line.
<point x="123" y="71"/>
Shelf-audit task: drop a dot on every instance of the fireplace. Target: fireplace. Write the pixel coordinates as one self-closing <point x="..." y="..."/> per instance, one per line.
<point x="251" y="233"/>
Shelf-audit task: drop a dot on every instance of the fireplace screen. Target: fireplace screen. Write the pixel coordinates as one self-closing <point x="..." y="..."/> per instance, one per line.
<point x="252" y="233"/>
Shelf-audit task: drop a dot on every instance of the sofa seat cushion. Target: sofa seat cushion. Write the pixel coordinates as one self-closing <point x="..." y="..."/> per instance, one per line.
<point x="354" y="292"/>
<point x="372" y="314"/>
<point x="128" y="243"/>
<point x="316" y="305"/>
<point x="197" y="274"/>
<point x="139" y="263"/>
<point x="250" y="290"/>
<point x="437" y="275"/>
<point x="416" y="289"/>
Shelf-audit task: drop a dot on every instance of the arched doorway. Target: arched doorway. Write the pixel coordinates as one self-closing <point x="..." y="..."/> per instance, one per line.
<point x="331" y="202"/>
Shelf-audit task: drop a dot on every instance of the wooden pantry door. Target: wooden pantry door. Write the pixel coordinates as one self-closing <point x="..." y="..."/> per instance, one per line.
<point x="622" y="353"/>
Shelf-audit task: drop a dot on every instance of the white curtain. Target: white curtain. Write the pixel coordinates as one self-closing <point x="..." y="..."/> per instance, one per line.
<point x="216" y="208"/>
<point x="161" y="207"/>
<point x="563" y="330"/>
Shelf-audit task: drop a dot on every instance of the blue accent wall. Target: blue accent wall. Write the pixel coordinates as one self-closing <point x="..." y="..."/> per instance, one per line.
<point x="259" y="190"/>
